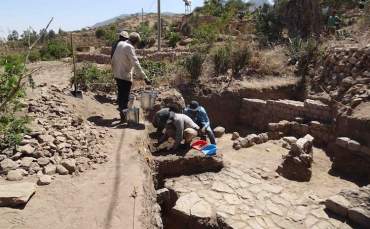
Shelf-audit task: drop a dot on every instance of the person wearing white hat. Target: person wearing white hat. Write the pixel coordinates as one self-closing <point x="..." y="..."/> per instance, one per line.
<point x="124" y="64"/>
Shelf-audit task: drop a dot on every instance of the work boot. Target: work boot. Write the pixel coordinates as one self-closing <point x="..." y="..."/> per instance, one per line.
<point x="123" y="115"/>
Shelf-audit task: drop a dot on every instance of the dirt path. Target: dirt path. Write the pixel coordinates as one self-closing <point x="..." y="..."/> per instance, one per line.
<point x="98" y="198"/>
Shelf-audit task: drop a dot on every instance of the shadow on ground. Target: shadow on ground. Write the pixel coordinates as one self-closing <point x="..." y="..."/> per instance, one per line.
<point x="114" y="123"/>
<point x="104" y="99"/>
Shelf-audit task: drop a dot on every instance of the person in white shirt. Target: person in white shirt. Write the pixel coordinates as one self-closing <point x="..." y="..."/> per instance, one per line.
<point x="124" y="64"/>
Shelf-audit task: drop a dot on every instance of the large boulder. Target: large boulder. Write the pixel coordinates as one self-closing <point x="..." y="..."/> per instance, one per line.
<point x="219" y="131"/>
<point x="7" y="165"/>
<point x="14" y="175"/>
<point x="12" y="195"/>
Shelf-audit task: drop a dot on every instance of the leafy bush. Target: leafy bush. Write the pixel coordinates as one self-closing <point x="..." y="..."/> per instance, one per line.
<point x="12" y="130"/>
<point x="205" y="34"/>
<point x="155" y="70"/>
<point x="240" y="57"/>
<point x="146" y="34"/>
<point x="90" y="77"/>
<point x="268" y="25"/>
<point x="222" y="59"/>
<point x="99" y="33"/>
<point x="55" y="50"/>
<point x="35" y="56"/>
<point x="11" y="127"/>
<point x="173" y="39"/>
<point x="193" y="65"/>
<point x="309" y="53"/>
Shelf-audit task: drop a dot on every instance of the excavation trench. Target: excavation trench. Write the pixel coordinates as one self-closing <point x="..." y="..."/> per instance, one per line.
<point x="189" y="185"/>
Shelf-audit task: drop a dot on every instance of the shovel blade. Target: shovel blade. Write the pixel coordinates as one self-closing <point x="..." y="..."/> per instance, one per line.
<point x="77" y="94"/>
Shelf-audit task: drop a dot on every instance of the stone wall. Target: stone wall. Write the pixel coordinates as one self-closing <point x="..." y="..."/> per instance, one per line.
<point x="105" y="58"/>
<point x="259" y="113"/>
<point x="345" y="75"/>
<point x="93" y="57"/>
<point x="351" y="158"/>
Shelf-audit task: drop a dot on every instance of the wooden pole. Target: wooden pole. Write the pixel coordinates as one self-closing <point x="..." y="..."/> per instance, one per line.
<point x="159" y="25"/>
<point x="74" y="65"/>
<point x="142" y="15"/>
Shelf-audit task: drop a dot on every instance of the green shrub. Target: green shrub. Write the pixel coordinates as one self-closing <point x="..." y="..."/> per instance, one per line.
<point x="146" y="34"/>
<point x="240" y="57"/>
<point x="99" y="33"/>
<point x="55" y="50"/>
<point x="12" y="130"/>
<point x="193" y="65"/>
<point x="222" y="59"/>
<point x="34" y="56"/>
<point x="155" y="70"/>
<point x="90" y="77"/>
<point x="173" y="39"/>
<point x="205" y="34"/>
<point x="12" y="127"/>
<point x="268" y="25"/>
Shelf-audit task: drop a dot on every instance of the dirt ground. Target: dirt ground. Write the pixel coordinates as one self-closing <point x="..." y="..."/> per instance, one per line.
<point x="98" y="198"/>
<point x="248" y="193"/>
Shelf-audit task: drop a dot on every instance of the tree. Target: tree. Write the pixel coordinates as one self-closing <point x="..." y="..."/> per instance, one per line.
<point x="51" y="35"/>
<point x="29" y="36"/>
<point x="302" y="18"/>
<point x="13" y="36"/>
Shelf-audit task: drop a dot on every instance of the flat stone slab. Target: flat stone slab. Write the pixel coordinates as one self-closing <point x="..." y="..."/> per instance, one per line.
<point x="12" y="195"/>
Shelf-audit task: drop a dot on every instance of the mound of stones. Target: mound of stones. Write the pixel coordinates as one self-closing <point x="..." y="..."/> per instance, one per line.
<point x="61" y="143"/>
<point x="353" y="205"/>
<point x="346" y="75"/>
<point x="297" y="163"/>
<point x="250" y="140"/>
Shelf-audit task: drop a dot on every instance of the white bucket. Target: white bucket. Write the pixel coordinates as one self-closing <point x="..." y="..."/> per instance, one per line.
<point x="133" y="115"/>
<point x="131" y="100"/>
<point x="148" y="99"/>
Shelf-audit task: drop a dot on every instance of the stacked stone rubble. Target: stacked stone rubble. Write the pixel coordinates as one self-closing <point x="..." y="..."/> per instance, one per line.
<point x="60" y="142"/>
<point x="345" y="75"/>
<point x="297" y="164"/>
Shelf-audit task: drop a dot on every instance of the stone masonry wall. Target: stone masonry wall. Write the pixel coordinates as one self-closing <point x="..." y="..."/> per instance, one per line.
<point x="259" y="113"/>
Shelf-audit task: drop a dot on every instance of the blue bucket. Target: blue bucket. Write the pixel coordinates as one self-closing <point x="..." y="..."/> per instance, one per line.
<point x="210" y="150"/>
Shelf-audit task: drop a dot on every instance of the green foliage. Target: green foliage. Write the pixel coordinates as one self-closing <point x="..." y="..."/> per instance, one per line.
<point x="155" y="70"/>
<point x="222" y="59"/>
<point x="205" y="34"/>
<point x="146" y="34"/>
<point x="13" y="36"/>
<point x="55" y="50"/>
<point x="90" y="77"/>
<point x="336" y="4"/>
<point x="173" y="39"/>
<point x="193" y="65"/>
<point x="240" y="57"/>
<point x="109" y="34"/>
<point x="309" y="54"/>
<point x="34" y="56"/>
<point x="100" y="33"/>
<point x="12" y="130"/>
<point x="13" y="64"/>
<point x="268" y="25"/>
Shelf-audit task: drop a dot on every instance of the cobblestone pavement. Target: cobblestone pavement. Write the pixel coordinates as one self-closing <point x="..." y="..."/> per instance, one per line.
<point x="250" y="198"/>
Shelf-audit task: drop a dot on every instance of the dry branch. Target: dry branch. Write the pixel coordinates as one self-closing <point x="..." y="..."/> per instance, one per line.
<point x="19" y="84"/>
